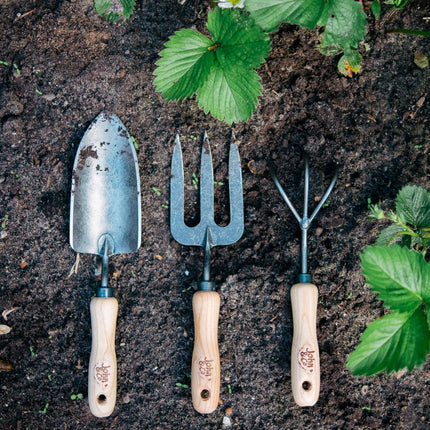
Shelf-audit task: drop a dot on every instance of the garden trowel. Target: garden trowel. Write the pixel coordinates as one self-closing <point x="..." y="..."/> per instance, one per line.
<point x="104" y="220"/>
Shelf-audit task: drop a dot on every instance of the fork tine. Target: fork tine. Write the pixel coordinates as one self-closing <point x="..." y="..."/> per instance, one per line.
<point x="234" y="230"/>
<point x="177" y="187"/>
<point x="180" y="231"/>
<point x="206" y="184"/>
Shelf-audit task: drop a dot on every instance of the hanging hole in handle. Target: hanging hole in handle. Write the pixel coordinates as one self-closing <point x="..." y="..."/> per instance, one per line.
<point x="205" y="394"/>
<point x="306" y="385"/>
<point x="101" y="398"/>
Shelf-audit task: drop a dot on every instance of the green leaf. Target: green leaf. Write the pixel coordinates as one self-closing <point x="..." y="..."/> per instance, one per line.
<point x="376" y="9"/>
<point x="393" y="342"/>
<point x="230" y="97"/>
<point x="346" y="25"/>
<point x="427" y="308"/>
<point x="349" y="63"/>
<point x="219" y="70"/>
<point x="112" y="13"/>
<point x="239" y="41"/>
<point x="397" y="4"/>
<point x="413" y="206"/>
<point x="184" y="64"/>
<point x="421" y="60"/>
<point x="388" y="235"/>
<point x="268" y="14"/>
<point x="399" y="277"/>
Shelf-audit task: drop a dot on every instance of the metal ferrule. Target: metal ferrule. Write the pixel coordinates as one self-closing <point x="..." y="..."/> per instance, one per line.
<point x="104" y="292"/>
<point x="206" y="286"/>
<point x="305" y="278"/>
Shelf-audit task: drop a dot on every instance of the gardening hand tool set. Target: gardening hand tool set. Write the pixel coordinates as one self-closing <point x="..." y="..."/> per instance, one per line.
<point x="105" y="219"/>
<point x="305" y="365"/>
<point x="205" y="367"/>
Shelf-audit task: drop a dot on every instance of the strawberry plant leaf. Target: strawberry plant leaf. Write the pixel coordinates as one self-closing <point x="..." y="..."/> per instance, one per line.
<point x="390" y="235"/>
<point x="393" y="342"/>
<point x="413" y="206"/>
<point x="239" y="41"/>
<point x="228" y="96"/>
<point x="349" y="63"/>
<point x="398" y="276"/>
<point x="375" y="7"/>
<point x="268" y="14"/>
<point x="220" y="70"/>
<point x="345" y="26"/>
<point x="114" y="13"/>
<point x="184" y="64"/>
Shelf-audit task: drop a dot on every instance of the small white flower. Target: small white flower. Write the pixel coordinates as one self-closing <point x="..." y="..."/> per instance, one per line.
<point x="228" y="4"/>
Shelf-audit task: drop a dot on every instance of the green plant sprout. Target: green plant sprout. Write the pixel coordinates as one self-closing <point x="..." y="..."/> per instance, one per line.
<point x="195" y="181"/>
<point x="113" y="10"/>
<point x="17" y="69"/>
<point x="397" y="271"/>
<point x="78" y="396"/>
<point x="5" y="221"/>
<point x="179" y="384"/>
<point x="32" y="351"/>
<point x="45" y="409"/>
<point x="156" y="191"/>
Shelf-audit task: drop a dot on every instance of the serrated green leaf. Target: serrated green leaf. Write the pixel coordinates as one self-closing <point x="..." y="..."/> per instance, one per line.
<point x="239" y="41"/>
<point x="219" y="70"/>
<point x="106" y="9"/>
<point x="388" y="235"/>
<point x="230" y="97"/>
<point x="345" y="26"/>
<point x="375" y="7"/>
<point x="397" y="275"/>
<point x="349" y="63"/>
<point x="102" y="6"/>
<point x="397" y="4"/>
<point x="413" y="206"/>
<point x="184" y="65"/>
<point x="268" y="14"/>
<point x="393" y="342"/>
<point x="427" y="308"/>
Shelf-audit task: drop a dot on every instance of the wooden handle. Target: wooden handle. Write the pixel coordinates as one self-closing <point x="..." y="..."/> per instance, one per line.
<point x="305" y="360"/>
<point x="205" y="367"/>
<point x="102" y="367"/>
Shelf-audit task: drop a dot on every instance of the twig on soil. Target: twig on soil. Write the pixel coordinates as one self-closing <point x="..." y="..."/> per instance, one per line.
<point x="75" y="267"/>
<point x="6" y="312"/>
<point x="23" y="15"/>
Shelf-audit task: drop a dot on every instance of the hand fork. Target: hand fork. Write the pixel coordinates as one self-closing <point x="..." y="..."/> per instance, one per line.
<point x="305" y="365"/>
<point x="205" y="367"/>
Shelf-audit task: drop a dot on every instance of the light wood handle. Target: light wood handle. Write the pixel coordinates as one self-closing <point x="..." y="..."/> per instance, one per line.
<point x="102" y="368"/>
<point x="205" y="367"/>
<point x="305" y="359"/>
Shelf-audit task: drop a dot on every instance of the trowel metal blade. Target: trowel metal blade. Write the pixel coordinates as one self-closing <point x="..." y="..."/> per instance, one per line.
<point x="105" y="199"/>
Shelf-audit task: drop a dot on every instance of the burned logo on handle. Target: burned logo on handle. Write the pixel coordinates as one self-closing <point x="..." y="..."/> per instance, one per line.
<point x="306" y="359"/>
<point x="205" y="368"/>
<point x="102" y="374"/>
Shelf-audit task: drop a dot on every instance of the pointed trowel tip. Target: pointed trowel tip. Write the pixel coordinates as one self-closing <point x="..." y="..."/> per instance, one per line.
<point x="107" y="116"/>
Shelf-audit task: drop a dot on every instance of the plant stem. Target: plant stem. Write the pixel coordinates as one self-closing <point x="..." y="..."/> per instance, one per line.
<point x="406" y="31"/>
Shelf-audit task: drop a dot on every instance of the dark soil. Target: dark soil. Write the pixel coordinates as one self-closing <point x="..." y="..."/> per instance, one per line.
<point x="375" y="126"/>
